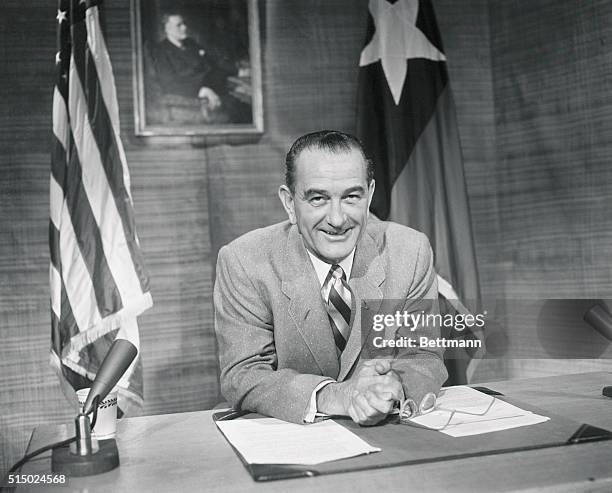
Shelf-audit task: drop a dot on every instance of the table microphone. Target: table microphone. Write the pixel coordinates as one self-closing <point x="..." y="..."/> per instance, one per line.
<point x="117" y="360"/>
<point x="600" y="319"/>
<point x="87" y="456"/>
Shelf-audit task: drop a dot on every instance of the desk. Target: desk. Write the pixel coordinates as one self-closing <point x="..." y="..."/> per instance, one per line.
<point x="186" y="452"/>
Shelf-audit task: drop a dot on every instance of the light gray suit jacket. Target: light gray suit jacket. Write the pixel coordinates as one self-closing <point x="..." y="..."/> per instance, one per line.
<point x="274" y="335"/>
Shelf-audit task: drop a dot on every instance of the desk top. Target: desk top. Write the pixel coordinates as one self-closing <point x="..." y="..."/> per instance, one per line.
<point x="186" y="452"/>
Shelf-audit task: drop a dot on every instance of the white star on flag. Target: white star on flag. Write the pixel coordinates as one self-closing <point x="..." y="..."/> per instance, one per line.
<point x="61" y="16"/>
<point x="396" y="40"/>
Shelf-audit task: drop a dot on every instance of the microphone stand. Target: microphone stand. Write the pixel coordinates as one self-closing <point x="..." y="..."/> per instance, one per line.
<point x="86" y="455"/>
<point x="601" y="320"/>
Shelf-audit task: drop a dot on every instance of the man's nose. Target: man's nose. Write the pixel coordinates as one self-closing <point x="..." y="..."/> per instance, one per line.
<point x="336" y="216"/>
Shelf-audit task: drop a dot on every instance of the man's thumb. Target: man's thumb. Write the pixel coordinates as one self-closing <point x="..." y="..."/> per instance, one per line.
<point x="383" y="366"/>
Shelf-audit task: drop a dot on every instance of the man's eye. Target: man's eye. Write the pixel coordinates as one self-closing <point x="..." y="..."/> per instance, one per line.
<point x="354" y="197"/>
<point x="316" y="200"/>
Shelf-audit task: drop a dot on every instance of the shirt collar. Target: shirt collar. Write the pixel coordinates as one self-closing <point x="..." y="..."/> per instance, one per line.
<point x="322" y="268"/>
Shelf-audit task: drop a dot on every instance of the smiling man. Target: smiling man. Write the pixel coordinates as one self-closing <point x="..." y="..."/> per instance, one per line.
<point x="288" y="297"/>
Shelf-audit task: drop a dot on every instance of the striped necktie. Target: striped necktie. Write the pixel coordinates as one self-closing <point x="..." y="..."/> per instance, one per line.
<point x="338" y="298"/>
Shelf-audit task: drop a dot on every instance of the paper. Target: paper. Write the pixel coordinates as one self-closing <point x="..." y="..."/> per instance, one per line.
<point x="488" y="414"/>
<point x="272" y="441"/>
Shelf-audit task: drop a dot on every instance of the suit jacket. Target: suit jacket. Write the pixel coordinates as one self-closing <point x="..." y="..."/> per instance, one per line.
<point x="274" y="335"/>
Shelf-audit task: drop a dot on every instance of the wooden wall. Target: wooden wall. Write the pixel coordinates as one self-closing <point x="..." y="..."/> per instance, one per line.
<point x="551" y="72"/>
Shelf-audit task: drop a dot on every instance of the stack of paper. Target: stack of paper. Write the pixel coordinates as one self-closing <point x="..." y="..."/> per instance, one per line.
<point x="487" y="413"/>
<point x="272" y="441"/>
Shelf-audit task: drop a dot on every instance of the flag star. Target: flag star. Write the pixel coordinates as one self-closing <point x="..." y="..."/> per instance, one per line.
<point x="58" y="58"/>
<point x="61" y="16"/>
<point x="396" y="40"/>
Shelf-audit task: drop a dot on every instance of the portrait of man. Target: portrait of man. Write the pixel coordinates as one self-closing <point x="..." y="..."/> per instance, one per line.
<point x="196" y="66"/>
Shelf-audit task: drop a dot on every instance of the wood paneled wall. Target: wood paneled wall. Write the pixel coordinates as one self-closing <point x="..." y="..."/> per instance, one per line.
<point x="551" y="71"/>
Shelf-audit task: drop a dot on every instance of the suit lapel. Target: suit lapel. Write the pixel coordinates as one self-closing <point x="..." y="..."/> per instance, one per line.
<point x="367" y="275"/>
<point x="301" y="286"/>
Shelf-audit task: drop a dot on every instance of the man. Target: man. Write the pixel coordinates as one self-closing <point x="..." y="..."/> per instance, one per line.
<point x="184" y="68"/>
<point x="190" y="75"/>
<point x="288" y="297"/>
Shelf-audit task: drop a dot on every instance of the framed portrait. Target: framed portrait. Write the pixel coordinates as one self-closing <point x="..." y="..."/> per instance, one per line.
<point x="197" y="67"/>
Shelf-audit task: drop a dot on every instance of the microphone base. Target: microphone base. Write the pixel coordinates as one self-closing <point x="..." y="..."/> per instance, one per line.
<point x="105" y="459"/>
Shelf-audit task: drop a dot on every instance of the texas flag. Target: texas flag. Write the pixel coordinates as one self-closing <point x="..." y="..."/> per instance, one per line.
<point x="407" y="122"/>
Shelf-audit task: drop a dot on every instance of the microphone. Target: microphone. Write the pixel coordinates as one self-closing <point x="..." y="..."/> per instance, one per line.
<point x="86" y="455"/>
<point x="600" y="319"/>
<point x="117" y="360"/>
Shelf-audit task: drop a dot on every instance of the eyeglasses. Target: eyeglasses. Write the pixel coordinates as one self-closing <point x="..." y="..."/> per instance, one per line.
<point x="409" y="410"/>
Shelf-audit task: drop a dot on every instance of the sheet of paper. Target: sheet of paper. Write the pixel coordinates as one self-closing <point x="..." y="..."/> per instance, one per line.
<point x="488" y="414"/>
<point x="272" y="441"/>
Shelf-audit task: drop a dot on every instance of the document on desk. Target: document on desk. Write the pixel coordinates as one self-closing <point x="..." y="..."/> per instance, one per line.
<point x="272" y="441"/>
<point x="462" y="411"/>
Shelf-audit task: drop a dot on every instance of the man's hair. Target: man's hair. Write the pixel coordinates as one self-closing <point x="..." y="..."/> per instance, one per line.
<point x="165" y="17"/>
<point x="331" y="141"/>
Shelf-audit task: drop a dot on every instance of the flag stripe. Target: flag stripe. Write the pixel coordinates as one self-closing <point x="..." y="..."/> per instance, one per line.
<point x="76" y="278"/>
<point x="106" y="136"/>
<point x="68" y="325"/>
<point x="54" y="245"/>
<point x="437" y="213"/>
<point x="96" y="187"/>
<point x="110" y="146"/>
<point x="99" y="56"/>
<point x="61" y="128"/>
<point x="56" y="333"/>
<point x="92" y="140"/>
<point x="88" y="235"/>
<point x="55" y="281"/>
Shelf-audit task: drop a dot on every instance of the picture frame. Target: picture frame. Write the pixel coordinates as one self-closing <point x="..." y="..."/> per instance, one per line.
<point x="196" y="67"/>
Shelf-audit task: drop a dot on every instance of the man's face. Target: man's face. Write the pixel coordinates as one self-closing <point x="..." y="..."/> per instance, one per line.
<point x="175" y="28"/>
<point x="330" y="203"/>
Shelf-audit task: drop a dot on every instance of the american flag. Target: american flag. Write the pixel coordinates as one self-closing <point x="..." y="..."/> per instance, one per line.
<point x="99" y="284"/>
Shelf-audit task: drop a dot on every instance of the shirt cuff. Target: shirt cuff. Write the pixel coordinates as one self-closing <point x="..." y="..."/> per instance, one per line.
<point x="311" y="412"/>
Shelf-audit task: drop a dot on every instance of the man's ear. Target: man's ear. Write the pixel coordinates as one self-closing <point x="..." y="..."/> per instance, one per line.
<point x="371" y="188"/>
<point x="286" y="197"/>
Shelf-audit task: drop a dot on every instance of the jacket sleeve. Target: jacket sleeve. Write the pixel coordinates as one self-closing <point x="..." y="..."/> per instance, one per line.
<point x="244" y="327"/>
<point x="422" y="368"/>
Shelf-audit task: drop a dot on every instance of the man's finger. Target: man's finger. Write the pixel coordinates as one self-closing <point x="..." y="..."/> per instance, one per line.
<point x="382" y="389"/>
<point x="366" y="409"/>
<point x="382" y="405"/>
<point x="356" y="413"/>
<point x="369" y="416"/>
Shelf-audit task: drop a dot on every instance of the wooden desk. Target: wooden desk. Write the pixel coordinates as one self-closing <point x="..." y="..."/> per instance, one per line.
<point x="185" y="452"/>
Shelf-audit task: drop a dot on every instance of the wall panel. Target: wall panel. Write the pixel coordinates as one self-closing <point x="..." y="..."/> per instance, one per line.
<point x="551" y="71"/>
